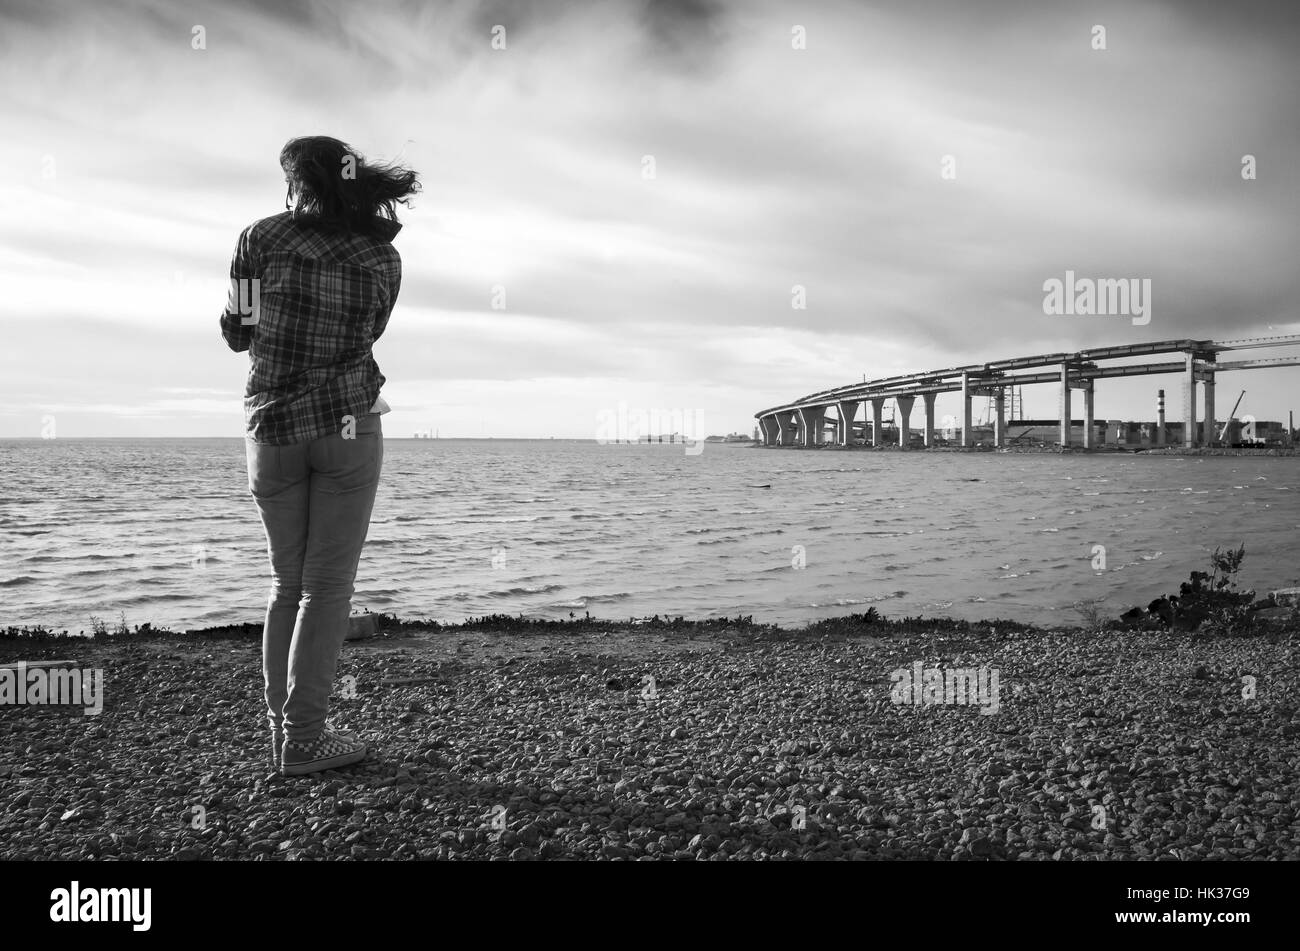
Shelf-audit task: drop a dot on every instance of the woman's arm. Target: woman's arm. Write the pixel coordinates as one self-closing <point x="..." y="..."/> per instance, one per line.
<point x="244" y="303"/>
<point x="394" y="275"/>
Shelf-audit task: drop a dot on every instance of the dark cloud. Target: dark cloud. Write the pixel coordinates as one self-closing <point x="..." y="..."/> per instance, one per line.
<point x="686" y="34"/>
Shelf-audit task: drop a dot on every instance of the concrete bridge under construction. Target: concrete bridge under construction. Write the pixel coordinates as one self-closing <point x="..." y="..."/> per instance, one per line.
<point x="805" y="421"/>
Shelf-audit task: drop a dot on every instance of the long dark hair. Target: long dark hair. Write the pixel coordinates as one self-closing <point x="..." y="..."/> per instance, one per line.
<point x="337" y="188"/>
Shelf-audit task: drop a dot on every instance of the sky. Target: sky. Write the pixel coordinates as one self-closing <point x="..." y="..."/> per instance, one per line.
<point x="656" y="187"/>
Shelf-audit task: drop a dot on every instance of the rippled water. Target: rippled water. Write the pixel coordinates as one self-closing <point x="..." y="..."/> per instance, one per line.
<point x="164" y="531"/>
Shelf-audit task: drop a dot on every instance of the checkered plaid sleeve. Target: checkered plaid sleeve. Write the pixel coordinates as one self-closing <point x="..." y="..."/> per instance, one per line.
<point x="393" y="272"/>
<point x="240" y="315"/>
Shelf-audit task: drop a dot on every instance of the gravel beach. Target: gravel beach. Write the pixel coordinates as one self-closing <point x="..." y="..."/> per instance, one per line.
<point x="548" y="741"/>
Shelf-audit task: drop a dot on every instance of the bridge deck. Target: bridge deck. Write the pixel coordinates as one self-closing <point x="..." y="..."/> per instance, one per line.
<point x="982" y="377"/>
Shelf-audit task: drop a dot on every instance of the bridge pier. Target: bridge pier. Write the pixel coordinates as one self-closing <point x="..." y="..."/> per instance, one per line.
<point x="877" y="421"/>
<point x="848" y="410"/>
<point x="1189" y="401"/>
<point x="811" y="422"/>
<point x="786" y="427"/>
<point x="1000" y="417"/>
<point x="1210" y="436"/>
<point x="771" y="431"/>
<point x="1065" y="404"/>
<point x="967" y="431"/>
<point x="1088" y="439"/>
<point x="929" y="399"/>
<point x="905" y="421"/>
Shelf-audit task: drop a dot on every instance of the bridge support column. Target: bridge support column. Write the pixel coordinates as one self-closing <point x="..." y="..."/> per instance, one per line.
<point x="905" y="419"/>
<point x="771" y="431"/>
<point x="1160" y="417"/>
<point x="1088" y="438"/>
<point x="1000" y="417"/>
<point x="786" y="428"/>
<point x="1211" y="435"/>
<point x="848" y="409"/>
<point x="812" y="421"/>
<point x="967" y="431"/>
<point x="1189" y="402"/>
<point x="929" y="399"/>
<point x="877" y="422"/>
<point x="1065" y="404"/>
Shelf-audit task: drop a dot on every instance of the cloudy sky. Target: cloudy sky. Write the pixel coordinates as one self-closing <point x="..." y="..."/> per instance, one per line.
<point x="132" y="160"/>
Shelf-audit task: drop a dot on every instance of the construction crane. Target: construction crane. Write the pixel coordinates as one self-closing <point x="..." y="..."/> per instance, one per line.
<point x="1228" y="422"/>
<point x="1013" y="408"/>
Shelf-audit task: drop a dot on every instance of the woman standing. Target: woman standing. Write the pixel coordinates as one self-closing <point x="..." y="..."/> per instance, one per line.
<point x="311" y="291"/>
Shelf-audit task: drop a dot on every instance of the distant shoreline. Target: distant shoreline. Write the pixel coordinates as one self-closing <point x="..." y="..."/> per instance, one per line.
<point x="1078" y="450"/>
<point x="393" y="626"/>
<point x="389" y="625"/>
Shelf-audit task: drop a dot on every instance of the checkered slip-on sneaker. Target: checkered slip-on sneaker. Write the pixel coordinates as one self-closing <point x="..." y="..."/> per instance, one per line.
<point x="328" y="751"/>
<point x="277" y="740"/>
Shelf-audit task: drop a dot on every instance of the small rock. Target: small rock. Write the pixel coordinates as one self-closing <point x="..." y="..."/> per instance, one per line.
<point x="362" y="626"/>
<point x="1286" y="597"/>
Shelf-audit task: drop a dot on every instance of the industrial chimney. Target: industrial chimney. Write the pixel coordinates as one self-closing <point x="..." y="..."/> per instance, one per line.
<point x="1160" y="417"/>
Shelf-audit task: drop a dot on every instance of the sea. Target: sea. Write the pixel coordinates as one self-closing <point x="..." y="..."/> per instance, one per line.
<point x="164" y="531"/>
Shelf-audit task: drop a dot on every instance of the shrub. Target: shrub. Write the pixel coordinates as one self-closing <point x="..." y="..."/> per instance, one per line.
<point x="1211" y="601"/>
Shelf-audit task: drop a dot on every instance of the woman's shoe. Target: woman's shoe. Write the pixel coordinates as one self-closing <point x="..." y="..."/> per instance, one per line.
<point x="328" y="751"/>
<point x="277" y="741"/>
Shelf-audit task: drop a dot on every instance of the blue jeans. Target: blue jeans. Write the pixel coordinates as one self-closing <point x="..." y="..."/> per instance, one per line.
<point x="315" y="500"/>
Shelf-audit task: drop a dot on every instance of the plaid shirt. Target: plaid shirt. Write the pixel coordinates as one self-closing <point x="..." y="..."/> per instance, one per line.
<point x="307" y="304"/>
